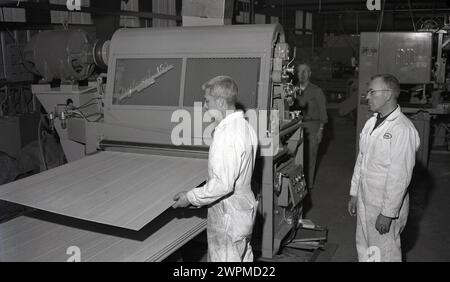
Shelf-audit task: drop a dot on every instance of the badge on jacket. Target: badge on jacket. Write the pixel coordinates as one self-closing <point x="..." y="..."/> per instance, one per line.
<point x="387" y="136"/>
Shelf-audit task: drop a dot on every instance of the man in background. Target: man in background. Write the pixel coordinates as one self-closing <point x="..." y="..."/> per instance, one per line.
<point x="311" y="100"/>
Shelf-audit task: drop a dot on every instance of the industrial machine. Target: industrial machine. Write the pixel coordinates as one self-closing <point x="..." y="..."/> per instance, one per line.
<point x="136" y="136"/>
<point x="418" y="60"/>
<point x="17" y="107"/>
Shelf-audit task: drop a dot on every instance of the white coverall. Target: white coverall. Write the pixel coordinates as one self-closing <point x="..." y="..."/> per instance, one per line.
<point x="232" y="205"/>
<point x="380" y="180"/>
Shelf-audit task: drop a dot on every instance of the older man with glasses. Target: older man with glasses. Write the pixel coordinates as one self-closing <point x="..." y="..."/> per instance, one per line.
<point x="382" y="173"/>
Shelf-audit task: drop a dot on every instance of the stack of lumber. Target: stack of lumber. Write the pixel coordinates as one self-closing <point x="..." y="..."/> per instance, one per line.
<point x="113" y="206"/>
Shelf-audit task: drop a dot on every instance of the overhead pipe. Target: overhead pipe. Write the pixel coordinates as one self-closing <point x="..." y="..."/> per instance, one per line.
<point x="443" y="10"/>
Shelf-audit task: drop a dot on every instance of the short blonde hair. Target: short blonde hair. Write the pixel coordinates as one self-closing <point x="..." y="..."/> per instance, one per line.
<point x="222" y="86"/>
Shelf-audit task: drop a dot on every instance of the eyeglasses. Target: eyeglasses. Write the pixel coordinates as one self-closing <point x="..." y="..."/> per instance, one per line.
<point x="372" y="91"/>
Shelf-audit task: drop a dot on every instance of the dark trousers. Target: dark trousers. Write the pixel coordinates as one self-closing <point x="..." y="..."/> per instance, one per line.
<point x="311" y="148"/>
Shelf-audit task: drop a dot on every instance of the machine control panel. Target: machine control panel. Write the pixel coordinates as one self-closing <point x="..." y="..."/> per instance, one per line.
<point x="291" y="186"/>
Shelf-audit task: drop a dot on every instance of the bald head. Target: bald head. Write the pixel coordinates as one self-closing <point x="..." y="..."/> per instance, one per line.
<point x="304" y="65"/>
<point x="303" y="73"/>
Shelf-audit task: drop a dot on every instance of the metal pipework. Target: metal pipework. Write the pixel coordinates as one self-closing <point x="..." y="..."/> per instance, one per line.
<point x="281" y="55"/>
<point x="68" y="55"/>
<point x="281" y="64"/>
<point x="101" y="52"/>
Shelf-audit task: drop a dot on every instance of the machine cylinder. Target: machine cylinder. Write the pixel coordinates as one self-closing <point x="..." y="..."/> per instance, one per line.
<point x="60" y="54"/>
<point x="101" y="53"/>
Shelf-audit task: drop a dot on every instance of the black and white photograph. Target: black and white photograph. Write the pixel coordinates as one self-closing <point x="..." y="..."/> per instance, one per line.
<point x="250" y="131"/>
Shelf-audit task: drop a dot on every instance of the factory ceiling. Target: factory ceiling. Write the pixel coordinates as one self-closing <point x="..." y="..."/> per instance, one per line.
<point x="353" y="16"/>
<point x="336" y="16"/>
<point x="353" y="5"/>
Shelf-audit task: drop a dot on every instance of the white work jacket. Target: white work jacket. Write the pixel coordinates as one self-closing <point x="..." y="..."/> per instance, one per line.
<point x="231" y="161"/>
<point x="385" y="163"/>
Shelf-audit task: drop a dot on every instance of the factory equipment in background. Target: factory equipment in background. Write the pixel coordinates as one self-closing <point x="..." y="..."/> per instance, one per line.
<point x="418" y="60"/>
<point x="17" y="105"/>
<point x="332" y="68"/>
<point x="116" y="129"/>
<point x="332" y="78"/>
<point x="71" y="58"/>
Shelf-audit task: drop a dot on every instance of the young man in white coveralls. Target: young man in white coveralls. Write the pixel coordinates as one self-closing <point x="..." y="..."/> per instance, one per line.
<point x="231" y="202"/>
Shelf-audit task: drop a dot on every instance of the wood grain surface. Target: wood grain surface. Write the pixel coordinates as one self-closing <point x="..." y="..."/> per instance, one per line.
<point x="43" y="236"/>
<point x="125" y="190"/>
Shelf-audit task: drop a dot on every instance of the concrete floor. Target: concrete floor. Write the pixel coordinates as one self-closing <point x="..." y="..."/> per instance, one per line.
<point x="427" y="234"/>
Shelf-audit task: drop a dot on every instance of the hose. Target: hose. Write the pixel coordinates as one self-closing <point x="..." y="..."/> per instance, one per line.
<point x="81" y="114"/>
<point x="40" y="144"/>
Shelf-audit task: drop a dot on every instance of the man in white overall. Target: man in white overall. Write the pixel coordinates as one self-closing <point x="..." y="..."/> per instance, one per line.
<point x="231" y="203"/>
<point x="383" y="170"/>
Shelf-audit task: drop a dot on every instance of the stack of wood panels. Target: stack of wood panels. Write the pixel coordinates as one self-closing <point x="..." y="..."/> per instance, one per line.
<point x="41" y="236"/>
<point x="114" y="206"/>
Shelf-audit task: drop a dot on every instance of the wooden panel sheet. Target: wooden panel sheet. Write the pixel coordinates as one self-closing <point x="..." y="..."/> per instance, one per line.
<point x="126" y="190"/>
<point x="46" y="237"/>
